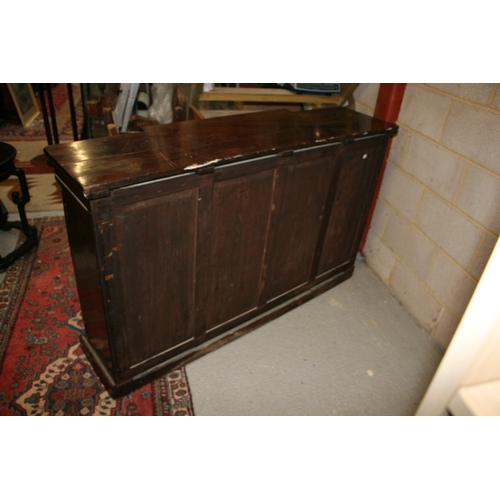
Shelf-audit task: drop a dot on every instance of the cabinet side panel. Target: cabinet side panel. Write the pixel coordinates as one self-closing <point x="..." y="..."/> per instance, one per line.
<point x="83" y="253"/>
<point x="156" y="251"/>
<point x="353" y="193"/>
<point x="240" y="221"/>
<point x="298" y="224"/>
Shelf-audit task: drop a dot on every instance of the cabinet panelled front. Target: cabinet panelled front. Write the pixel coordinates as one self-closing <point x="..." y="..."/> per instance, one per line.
<point x="178" y="251"/>
<point x="265" y="223"/>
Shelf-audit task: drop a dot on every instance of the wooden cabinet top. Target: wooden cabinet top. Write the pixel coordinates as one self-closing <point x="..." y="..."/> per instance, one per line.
<point x="97" y="166"/>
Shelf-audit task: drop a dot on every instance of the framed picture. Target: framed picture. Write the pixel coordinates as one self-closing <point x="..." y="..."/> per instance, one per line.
<point x="25" y="101"/>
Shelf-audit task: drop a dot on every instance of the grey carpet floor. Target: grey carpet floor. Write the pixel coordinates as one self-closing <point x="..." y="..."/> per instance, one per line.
<point x="354" y="350"/>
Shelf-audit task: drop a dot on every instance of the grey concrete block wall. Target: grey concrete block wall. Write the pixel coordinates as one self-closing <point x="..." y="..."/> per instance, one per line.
<point x="401" y="191"/>
<point x="496" y="99"/>
<point x="454" y="233"/>
<point x="365" y="96"/>
<point x="424" y="111"/>
<point x="479" y="197"/>
<point x="437" y="217"/>
<point x="410" y="245"/>
<point x="473" y="92"/>
<point x="482" y="256"/>
<point x="436" y="168"/>
<point x="473" y="131"/>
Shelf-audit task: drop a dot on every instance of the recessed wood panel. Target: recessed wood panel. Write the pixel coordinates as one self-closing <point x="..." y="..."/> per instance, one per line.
<point x="241" y="211"/>
<point x="156" y="251"/>
<point x="353" y="193"/>
<point x="303" y="188"/>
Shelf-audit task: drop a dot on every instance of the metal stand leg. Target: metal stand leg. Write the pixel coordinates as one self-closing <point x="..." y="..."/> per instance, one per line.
<point x="8" y="169"/>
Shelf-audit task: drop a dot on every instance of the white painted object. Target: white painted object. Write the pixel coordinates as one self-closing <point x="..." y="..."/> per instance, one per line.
<point x="472" y="356"/>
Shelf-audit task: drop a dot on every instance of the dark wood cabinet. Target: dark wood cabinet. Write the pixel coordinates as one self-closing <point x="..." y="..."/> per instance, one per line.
<point x="189" y="235"/>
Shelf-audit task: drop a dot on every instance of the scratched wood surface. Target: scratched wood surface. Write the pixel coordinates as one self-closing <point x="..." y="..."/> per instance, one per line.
<point x="99" y="165"/>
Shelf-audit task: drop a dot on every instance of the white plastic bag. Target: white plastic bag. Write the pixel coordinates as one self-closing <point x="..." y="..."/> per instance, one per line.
<point x="161" y="109"/>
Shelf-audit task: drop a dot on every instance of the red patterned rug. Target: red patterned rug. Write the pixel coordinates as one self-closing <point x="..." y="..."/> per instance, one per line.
<point x="43" y="370"/>
<point x="45" y="191"/>
<point x="12" y="129"/>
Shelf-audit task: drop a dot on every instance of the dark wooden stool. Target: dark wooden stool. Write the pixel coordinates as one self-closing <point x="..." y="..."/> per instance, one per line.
<point x="7" y="168"/>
